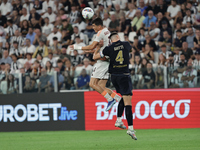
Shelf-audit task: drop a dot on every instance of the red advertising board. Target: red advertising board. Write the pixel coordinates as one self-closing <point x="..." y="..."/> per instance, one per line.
<point x="152" y="109"/>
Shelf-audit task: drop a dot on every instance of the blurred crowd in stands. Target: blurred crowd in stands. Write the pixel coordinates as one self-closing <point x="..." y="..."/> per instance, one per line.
<point x="35" y="35"/>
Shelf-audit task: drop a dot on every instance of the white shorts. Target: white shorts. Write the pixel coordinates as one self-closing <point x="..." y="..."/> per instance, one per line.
<point x="100" y="70"/>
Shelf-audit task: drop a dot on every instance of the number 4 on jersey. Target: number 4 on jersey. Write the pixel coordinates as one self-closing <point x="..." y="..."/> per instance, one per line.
<point x="119" y="57"/>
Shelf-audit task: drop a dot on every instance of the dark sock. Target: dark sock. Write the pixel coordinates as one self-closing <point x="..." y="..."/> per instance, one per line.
<point x="120" y="109"/>
<point x="129" y="115"/>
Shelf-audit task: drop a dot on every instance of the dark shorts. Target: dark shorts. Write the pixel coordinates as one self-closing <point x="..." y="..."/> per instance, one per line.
<point x="122" y="83"/>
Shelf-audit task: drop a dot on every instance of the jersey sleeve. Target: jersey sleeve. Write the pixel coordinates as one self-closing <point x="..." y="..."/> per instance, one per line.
<point x="105" y="52"/>
<point x="98" y="37"/>
<point x="128" y="46"/>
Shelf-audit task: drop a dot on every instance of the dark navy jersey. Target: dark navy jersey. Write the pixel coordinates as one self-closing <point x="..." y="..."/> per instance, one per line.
<point x="119" y="57"/>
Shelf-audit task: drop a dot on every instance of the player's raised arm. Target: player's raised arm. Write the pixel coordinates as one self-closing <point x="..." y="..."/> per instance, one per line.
<point x="85" y="48"/>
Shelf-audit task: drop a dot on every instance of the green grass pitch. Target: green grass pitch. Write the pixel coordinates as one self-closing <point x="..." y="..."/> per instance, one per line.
<point x="155" y="139"/>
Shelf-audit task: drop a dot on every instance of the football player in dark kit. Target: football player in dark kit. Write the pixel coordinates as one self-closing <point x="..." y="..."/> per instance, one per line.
<point x="118" y="52"/>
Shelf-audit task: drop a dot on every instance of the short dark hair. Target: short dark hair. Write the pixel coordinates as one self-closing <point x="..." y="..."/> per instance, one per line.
<point x="98" y="21"/>
<point x="179" y="31"/>
<point x="59" y="61"/>
<point x="15" y="42"/>
<point x="136" y="37"/>
<point x="163" y="45"/>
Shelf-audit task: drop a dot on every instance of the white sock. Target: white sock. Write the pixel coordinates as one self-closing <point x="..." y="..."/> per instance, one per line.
<point x="130" y="127"/>
<point x="119" y="119"/>
<point x="108" y="97"/>
<point x="117" y="98"/>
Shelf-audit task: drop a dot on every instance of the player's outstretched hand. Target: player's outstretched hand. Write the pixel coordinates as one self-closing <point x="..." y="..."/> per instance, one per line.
<point x="71" y="47"/>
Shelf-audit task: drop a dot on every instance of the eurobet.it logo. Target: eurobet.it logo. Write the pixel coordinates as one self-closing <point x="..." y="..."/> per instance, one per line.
<point x="33" y="112"/>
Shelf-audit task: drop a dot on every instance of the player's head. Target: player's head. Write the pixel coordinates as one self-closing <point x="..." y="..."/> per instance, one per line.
<point x="97" y="24"/>
<point x="114" y="37"/>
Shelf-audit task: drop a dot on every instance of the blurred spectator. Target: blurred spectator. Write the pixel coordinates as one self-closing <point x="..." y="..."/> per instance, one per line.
<point x="34" y="14"/>
<point x="50" y="15"/>
<point x="52" y="59"/>
<point x="179" y="39"/>
<point x="197" y="39"/>
<point x="124" y="25"/>
<point x="3" y="20"/>
<point x="83" y="80"/>
<point x="162" y="60"/>
<point x="40" y="58"/>
<point x="152" y="6"/>
<point x="43" y="81"/>
<point x="35" y="24"/>
<point x="186" y="51"/>
<point x="55" y="47"/>
<point x="123" y="4"/>
<point x="16" y="18"/>
<point x="31" y="34"/>
<point x="172" y="11"/>
<point x="165" y="52"/>
<point x="75" y="34"/>
<point x="142" y="35"/>
<point x="188" y="18"/>
<point x="79" y="43"/>
<point x="149" y="78"/>
<point x="15" y="65"/>
<point x="164" y="28"/>
<point x="177" y="59"/>
<point x="106" y="20"/>
<point x="24" y="28"/>
<point x="60" y="65"/>
<point x="154" y="32"/>
<point x="162" y="7"/>
<point x="48" y="27"/>
<point x="29" y="47"/>
<point x="107" y="5"/>
<point x="36" y="71"/>
<point x="142" y="6"/>
<point x="67" y="26"/>
<point x="74" y="14"/>
<point x="76" y="59"/>
<point x="136" y="46"/>
<point x="182" y="63"/>
<point x="68" y="75"/>
<point x="197" y="59"/>
<point x="49" y="68"/>
<point x="11" y="84"/>
<point x="150" y="42"/>
<point x="24" y="16"/>
<point x="165" y="40"/>
<point x="55" y="33"/>
<point x="170" y="61"/>
<point x="189" y="5"/>
<point x="2" y="67"/>
<point x="143" y="68"/>
<point x="2" y="38"/>
<point x="29" y="85"/>
<point x="132" y="10"/>
<point x="19" y="39"/>
<point x="64" y="56"/>
<point x="6" y="58"/>
<point x="17" y="6"/>
<point x="162" y="19"/>
<point x="27" y="68"/>
<point x="118" y="12"/>
<point x="175" y="81"/>
<point x="150" y="18"/>
<point x="39" y="37"/>
<point x="190" y="38"/>
<point x="6" y="8"/>
<point x="159" y="82"/>
<point x="85" y="66"/>
<point x="114" y="24"/>
<point x="60" y="81"/>
<point x="28" y="5"/>
<point x="80" y="24"/>
<point x="66" y="38"/>
<point x="38" y="6"/>
<point x="46" y="4"/>
<point x="29" y="58"/>
<point x="100" y="11"/>
<point x="15" y="50"/>
<point x="148" y="53"/>
<point x="11" y="28"/>
<point x="189" y="76"/>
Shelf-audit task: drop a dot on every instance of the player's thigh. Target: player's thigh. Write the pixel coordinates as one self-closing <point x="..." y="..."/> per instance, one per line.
<point x="102" y="83"/>
<point x="115" y="82"/>
<point x="100" y="70"/>
<point x="94" y="81"/>
<point x="127" y="99"/>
